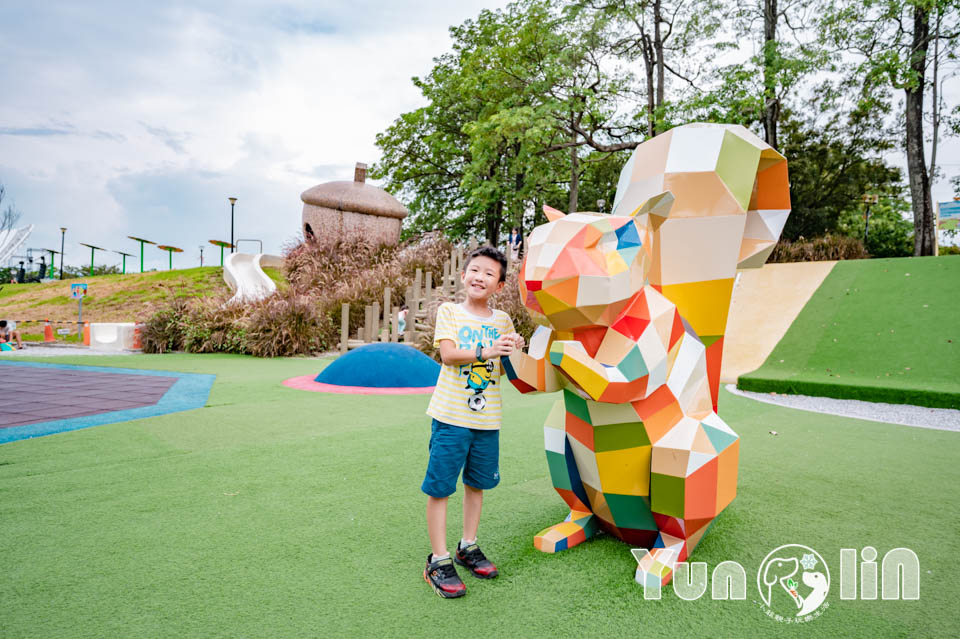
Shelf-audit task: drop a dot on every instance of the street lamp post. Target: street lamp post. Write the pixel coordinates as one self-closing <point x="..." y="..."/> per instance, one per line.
<point x="63" y="234"/>
<point x="201" y="255"/>
<point x="868" y="199"/>
<point x="233" y="201"/>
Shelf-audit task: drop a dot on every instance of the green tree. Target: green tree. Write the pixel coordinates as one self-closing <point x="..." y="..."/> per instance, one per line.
<point x="835" y="159"/>
<point x="891" y="40"/>
<point x="511" y="110"/>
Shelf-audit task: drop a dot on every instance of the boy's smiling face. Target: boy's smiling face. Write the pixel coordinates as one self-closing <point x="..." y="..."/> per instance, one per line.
<point x="481" y="278"/>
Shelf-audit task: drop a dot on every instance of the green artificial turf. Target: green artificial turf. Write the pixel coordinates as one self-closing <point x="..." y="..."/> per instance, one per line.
<point x="277" y="512"/>
<point x="885" y="330"/>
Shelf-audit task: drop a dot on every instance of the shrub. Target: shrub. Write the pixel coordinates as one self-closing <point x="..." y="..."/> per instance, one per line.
<point x="353" y="272"/>
<point x="819" y="249"/>
<point x="286" y="324"/>
<point x="949" y="249"/>
<point x="163" y="331"/>
<point x="210" y="326"/>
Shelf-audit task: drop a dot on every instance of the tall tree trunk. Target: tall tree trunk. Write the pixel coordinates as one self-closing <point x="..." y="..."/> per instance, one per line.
<point x="658" y="49"/>
<point x="771" y="105"/>
<point x="574" y="177"/>
<point x="924" y="236"/>
<point x="935" y="106"/>
<point x="649" y="66"/>
<point x="494" y="220"/>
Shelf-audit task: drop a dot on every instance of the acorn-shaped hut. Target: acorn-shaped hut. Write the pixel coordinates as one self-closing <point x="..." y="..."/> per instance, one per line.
<point x="342" y="209"/>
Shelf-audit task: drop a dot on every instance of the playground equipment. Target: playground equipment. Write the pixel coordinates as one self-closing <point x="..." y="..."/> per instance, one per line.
<point x="142" y="242"/>
<point x="632" y="310"/>
<point x="170" y="251"/>
<point x="337" y="210"/>
<point x="93" y="249"/>
<point x="374" y="369"/>
<point x="244" y="274"/>
<point x="115" y="336"/>
<point x="222" y="246"/>
<point x="11" y="240"/>
<point x="125" y="256"/>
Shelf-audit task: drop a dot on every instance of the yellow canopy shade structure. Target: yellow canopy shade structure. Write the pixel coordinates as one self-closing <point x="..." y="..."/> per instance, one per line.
<point x="170" y="251"/>
<point x="142" y="242"/>
<point x="222" y="246"/>
<point x="93" y="249"/>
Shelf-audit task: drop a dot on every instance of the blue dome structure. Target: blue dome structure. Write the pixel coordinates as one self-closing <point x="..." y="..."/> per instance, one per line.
<point x="386" y="365"/>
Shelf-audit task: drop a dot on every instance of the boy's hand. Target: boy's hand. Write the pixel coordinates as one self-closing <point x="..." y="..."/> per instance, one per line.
<point x="518" y="341"/>
<point x="502" y="346"/>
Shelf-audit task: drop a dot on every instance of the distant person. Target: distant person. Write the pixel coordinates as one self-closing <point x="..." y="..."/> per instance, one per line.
<point x="43" y="267"/>
<point x="9" y="333"/>
<point x="514" y="244"/>
<point x="402" y="315"/>
<point x="21" y="274"/>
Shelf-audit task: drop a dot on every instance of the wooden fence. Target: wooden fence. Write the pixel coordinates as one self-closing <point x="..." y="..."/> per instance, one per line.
<point x="382" y="323"/>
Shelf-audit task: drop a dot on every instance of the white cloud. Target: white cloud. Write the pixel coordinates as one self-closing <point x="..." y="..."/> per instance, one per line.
<point x="123" y="119"/>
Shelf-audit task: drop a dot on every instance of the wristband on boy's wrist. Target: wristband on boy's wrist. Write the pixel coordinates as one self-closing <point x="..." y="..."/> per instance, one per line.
<point x="479" y="352"/>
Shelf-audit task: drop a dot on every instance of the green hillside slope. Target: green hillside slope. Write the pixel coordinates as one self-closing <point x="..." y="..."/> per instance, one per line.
<point x="877" y="330"/>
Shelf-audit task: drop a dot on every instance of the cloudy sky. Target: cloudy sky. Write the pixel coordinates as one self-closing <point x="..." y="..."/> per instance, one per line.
<point x="122" y="118"/>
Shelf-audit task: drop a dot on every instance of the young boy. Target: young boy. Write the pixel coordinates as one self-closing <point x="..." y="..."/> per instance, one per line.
<point x="8" y="333"/>
<point x="465" y="408"/>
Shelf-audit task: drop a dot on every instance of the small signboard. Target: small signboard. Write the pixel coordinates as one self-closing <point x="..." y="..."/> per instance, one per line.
<point x="77" y="291"/>
<point x="949" y="215"/>
<point x="63" y="331"/>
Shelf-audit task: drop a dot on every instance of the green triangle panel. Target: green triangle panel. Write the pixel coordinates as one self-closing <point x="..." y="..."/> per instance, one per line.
<point x="737" y="167"/>
<point x="718" y="438"/>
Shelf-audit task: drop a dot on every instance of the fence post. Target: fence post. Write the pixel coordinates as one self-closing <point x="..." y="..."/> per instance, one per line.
<point x="395" y="324"/>
<point x="428" y="291"/>
<point x="375" y="331"/>
<point x="344" y="327"/>
<point x="387" y="295"/>
<point x="417" y="287"/>
<point x="368" y="324"/>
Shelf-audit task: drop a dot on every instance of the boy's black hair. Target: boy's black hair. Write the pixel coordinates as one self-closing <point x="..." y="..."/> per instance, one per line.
<point x="493" y="254"/>
<point x="3" y="323"/>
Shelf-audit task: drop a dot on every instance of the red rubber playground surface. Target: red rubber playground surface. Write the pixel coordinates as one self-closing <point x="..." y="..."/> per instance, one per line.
<point x="307" y="383"/>
<point x="45" y="394"/>
<point x="53" y="398"/>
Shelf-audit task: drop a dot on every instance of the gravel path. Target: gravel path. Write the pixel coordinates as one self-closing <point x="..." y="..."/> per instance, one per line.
<point x="904" y="414"/>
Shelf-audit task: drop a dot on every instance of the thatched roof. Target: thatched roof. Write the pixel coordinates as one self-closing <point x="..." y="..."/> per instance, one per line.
<point x="356" y="196"/>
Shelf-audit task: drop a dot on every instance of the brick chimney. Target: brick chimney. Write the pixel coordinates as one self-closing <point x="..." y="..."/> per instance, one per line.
<point x="360" y="173"/>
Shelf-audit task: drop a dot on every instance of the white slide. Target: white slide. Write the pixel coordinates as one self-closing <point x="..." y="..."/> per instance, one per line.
<point x="244" y="275"/>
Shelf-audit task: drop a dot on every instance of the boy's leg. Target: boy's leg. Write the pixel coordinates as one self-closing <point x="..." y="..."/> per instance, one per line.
<point x="481" y="472"/>
<point x="448" y="451"/>
<point x="472" y="505"/>
<point x="437" y="525"/>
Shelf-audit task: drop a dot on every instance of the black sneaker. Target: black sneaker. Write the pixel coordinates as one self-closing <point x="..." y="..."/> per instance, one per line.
<point x="442" y="575"/>
<point x="473" y="559"/>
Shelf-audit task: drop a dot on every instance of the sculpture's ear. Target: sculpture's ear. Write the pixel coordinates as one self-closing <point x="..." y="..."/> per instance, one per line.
<point x="553" y="214"/>
<point x="658" y="207"/>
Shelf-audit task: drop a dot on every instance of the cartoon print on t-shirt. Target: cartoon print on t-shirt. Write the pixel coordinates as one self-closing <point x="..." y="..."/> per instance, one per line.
<point x="478" y="378"/>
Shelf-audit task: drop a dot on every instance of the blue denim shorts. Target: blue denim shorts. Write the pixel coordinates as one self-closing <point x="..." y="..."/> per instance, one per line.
<point x="455" y="448"/>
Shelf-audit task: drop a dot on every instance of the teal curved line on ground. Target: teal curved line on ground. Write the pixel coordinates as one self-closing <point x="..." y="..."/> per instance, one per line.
<point x="190" y="391"/>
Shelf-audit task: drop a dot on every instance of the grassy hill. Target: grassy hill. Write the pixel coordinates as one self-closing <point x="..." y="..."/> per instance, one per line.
<point x="110" y="298"/>
<point x="883" y="330"/>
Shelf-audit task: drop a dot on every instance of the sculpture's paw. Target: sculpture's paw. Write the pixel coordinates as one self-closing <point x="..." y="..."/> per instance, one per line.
<point x="655" y="566"/>
<point x="576" y="529"/>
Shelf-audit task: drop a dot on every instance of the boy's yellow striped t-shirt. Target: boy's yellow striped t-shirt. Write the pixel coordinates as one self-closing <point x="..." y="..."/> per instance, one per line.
<point x="469" y="394"/>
